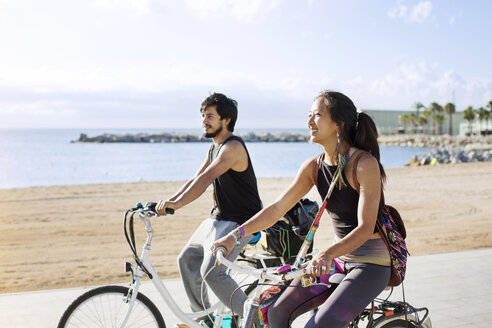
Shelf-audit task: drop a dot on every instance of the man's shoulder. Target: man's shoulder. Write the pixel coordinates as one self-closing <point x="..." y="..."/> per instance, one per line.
<point x="234" y="138"/>
<point x="233" y="143"/>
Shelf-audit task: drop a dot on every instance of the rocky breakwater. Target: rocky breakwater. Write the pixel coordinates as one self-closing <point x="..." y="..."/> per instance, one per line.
<point x="444" y="149"/>
<point x="190" y="137"/>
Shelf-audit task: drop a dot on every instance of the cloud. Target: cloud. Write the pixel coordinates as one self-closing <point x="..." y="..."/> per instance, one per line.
<point x="426" y="83"/>
<point x="421" y="11"/>
<point x="122" y="95"/>
<point x="399" y="11"/>
<point x="138" y="7"/>
<point x="417" y="14"/>
<point x="242" y="10"/>
<point x="453" y="18"/>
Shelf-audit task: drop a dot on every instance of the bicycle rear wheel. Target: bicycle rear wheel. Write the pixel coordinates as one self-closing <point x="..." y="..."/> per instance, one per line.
<point x="105" y="306"/>
<point x="398" y="321"/>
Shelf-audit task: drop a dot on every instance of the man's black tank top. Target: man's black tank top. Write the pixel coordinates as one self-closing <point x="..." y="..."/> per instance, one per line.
<point x="235" y="193"/>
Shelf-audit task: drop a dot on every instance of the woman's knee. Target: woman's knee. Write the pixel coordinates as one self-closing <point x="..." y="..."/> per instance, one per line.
<point x="277" y="315"/>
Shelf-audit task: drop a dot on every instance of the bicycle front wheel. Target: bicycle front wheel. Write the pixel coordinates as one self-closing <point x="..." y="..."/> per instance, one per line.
<point x="105" y="306"/>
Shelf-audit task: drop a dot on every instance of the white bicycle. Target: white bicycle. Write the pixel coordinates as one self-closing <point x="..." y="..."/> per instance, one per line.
<point x="118" y="306"/>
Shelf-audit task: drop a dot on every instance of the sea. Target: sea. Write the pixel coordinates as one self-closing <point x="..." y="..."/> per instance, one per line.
<point x="48" y="157"/>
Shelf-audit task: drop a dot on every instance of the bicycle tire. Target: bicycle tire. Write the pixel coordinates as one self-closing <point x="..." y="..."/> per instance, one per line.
<point x="104" y="307"/>
<point x="399" y="322"/>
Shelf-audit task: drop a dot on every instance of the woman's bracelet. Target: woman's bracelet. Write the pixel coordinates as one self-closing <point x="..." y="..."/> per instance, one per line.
<point x="237" y="234"/>
<point x="233" y="234"/>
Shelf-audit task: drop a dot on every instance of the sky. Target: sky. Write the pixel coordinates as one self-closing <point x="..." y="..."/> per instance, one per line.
<point x="150" y="63"/>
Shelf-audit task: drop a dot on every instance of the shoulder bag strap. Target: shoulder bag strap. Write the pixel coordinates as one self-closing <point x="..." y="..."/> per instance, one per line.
<point x="314" y="226"/>
<point x="316" y="165"/>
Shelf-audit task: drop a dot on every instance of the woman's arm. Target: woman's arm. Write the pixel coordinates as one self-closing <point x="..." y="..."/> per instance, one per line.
<point x="267" y="217"/>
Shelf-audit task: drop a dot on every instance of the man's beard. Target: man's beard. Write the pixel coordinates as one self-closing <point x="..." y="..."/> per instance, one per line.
<point x="213" y="134"/>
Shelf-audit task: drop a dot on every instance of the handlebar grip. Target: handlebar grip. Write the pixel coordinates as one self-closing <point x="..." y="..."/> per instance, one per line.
<point x="221" y="249"/>
<point x="151" y="206"/>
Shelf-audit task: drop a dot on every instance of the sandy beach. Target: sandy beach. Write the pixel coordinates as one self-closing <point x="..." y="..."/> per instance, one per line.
<point x="67" y="236"/>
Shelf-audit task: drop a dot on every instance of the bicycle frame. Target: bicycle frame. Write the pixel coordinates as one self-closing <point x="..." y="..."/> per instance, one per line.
<point x="145" y="266"/>
<point x="144" y="261"/>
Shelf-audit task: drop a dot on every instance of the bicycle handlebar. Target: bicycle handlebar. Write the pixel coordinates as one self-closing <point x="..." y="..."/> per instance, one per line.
<point x="260" y="273"/>
<point x="150" y="208"/>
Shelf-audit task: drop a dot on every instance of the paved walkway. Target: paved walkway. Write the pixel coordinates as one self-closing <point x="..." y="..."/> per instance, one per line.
<point x="456" y="287"/>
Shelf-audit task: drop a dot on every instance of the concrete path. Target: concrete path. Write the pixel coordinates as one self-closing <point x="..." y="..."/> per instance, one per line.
<point x="456" y="287"/>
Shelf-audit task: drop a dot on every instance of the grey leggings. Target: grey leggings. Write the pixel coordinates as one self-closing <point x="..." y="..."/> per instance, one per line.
<point x="337" y="305"/>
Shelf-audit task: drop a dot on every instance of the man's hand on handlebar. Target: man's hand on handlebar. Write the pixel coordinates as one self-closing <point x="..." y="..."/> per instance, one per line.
<point x="164" y="208"/>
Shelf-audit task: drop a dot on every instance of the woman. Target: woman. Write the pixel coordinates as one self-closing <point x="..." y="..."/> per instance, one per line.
<point x="354" y="207"/>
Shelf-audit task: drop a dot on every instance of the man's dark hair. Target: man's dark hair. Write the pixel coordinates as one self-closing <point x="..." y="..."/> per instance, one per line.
<point x="226" y="107"/>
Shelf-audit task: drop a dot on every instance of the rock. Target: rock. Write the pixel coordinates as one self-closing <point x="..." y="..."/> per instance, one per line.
<point x="189" y="137"/>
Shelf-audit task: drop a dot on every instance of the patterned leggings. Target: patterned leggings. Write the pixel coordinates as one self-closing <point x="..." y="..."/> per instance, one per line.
<point x="337" y="305"/>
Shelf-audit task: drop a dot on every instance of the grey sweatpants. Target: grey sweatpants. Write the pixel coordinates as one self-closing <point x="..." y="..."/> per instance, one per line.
<point x="196" y="260"/>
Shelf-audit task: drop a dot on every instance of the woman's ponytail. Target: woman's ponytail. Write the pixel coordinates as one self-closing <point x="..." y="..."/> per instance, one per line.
<point x="365" y="137"/>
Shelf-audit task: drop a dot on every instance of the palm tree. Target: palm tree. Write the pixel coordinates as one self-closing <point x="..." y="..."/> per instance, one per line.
<point x="439" y="119"/>
<point x="426" y="114"/>
<point x="482" y="115"/>
<point x="489" y="105"/>
<point x="487" y="116"/>
<point x="450" y="109"/>
<point x="412" y="118"/>
<point x="435" y="108"/>
<point x="469" y="115"/>
<point x="418" y="106"/>
<point x="421" y="121"/>
<point x="403" y="120"/>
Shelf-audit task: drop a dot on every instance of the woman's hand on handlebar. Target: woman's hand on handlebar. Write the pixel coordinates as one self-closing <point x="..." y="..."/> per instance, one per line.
<point x="164" y="207"/>
<point x="320" y="264"/>
<point x="227" y="242"/>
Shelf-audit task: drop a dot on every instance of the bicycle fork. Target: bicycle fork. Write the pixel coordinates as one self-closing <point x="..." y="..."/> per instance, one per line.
<point x="131" y="296"/>
<point x="252" y="306"/>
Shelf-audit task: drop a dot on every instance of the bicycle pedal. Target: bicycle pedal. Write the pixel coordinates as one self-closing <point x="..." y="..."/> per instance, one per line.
<point x="207" y="322"/>
<point x="226" y="322"/>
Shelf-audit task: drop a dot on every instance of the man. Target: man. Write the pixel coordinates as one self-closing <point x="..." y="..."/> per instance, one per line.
<point x="228" y="166"/>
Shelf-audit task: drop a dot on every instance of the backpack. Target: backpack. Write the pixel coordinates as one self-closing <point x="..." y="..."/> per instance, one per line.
<point x="284" y="238"/>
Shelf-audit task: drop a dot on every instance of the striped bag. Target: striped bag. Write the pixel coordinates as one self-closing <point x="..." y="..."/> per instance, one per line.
<point x="393" y="232"/>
